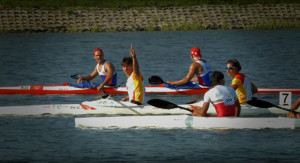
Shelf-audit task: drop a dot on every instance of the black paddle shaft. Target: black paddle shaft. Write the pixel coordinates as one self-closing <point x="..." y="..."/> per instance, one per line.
<point x="265" y="104"/>
<point x="165" y="104"/>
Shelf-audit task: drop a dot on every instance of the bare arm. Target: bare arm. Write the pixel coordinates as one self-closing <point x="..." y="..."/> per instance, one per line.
<point x="200" y="111"/>
<point x="135" y="64"/>
<point x="254" y="88"/>
<point x="88" y="77"/>
<point x="296" y="105"/>
<point x="189" y="76"/>
<point x="125" y="98"/>
<point x="237" y="108"/>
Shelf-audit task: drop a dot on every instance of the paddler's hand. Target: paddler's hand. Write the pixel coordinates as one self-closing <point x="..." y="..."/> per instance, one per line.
<point x="79" y="80"/>
<point x="132" y="51"/>
<point x="125" y="98"/>
<point x="100" y="87"/>
<point x="196" y="110"/>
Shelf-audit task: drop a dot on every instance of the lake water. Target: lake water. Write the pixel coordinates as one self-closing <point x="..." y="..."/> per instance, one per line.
<point x="269" y="58"/>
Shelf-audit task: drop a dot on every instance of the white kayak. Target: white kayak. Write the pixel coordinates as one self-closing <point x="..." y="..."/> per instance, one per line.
<point x="186" y="121"/>
<point x="112" y="107"/>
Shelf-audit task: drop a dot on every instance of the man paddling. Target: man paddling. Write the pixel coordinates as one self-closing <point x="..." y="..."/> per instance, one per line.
<point x="201" y="68"/>
<point x="240" y="82"/>
<point x="223" y="98"/>
<point x="135" y="81"/>
<point x="104" y="68"/>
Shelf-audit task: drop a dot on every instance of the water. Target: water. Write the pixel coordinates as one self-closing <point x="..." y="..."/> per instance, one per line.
<point x="269" y="58"/>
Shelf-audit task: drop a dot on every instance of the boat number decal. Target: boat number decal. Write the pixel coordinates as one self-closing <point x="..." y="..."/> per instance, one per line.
<point x="285" y="98"/>
<point x="25" y="87"/>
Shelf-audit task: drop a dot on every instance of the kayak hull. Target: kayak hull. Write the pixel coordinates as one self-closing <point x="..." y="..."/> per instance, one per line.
<point x="186" y="121"/>
<point x="66" y="89"/>
<point x="112" y="107"/>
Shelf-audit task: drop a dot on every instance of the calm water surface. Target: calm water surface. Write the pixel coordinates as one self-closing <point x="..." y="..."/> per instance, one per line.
<point x="269" y="58"/>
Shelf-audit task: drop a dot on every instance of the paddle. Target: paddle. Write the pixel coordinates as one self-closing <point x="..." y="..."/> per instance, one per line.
<point x="155" y="80"/>
<point x="265" y="104"/>
<point x="165" y="104"/>
<point x="77" y="76"/>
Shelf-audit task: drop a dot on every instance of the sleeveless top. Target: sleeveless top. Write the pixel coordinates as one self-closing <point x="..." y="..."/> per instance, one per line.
<point x="206" y="72"/>
<point x="103" y="74"/>
<point x="243" y="84"/>
<point x="223" y="98"/>
<point x="135" y="87"/>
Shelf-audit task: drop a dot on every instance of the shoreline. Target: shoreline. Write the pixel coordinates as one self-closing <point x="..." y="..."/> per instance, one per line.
<point x="202" y="17"/>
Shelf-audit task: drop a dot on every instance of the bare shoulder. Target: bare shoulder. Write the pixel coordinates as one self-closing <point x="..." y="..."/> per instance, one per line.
<point x="195" y="67"/>
<point x="109" y="65"/>
<point x="195" y="64"/>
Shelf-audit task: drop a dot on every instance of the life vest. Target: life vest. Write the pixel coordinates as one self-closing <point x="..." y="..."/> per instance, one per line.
<point x="206" y="72"/>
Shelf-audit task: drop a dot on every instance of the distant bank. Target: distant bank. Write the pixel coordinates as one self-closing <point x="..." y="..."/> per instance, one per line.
<point x="201" y="17"/>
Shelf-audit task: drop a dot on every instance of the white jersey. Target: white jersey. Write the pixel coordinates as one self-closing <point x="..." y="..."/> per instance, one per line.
<point x="223" y="98"/>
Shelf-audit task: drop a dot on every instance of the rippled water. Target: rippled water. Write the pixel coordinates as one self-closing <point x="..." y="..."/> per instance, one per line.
<point x="269" y="58"/>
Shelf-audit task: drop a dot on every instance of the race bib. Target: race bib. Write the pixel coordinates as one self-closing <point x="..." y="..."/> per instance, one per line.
<point x="228" y="100"/>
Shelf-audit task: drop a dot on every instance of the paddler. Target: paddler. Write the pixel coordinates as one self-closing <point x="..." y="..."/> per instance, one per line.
<point x="200" y="67"/>
<point x="223" y="98"/>
<point x="240" y="82"/>
<point x="104" y="68"/>
<point x="294" y="107"/>
<point x="135" y="81"/>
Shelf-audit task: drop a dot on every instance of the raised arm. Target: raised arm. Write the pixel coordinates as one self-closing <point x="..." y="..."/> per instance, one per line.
<point x="135" y="64"/>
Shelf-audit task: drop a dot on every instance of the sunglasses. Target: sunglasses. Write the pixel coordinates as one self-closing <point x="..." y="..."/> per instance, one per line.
<point x="229" y="68"/>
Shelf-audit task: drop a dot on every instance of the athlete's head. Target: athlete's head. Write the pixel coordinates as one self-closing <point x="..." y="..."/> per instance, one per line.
<point x="233" y="63"/>
<point x="196" y="53"/>
<point x="98" y="55"/>
<point x="98" y="49"/>
<point x="217" y="78"/>
<point x="127" y="65"/>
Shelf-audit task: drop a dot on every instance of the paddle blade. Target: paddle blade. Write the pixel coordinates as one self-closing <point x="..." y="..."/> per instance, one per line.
<point x="162" y="104"/>
<point x="75" y="76"/>
<point x="154" y="80"/>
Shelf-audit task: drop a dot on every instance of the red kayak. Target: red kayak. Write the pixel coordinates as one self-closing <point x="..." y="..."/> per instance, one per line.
<point x="160" y="89"/>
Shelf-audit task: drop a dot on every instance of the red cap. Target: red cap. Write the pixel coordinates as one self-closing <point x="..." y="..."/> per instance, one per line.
<point x="98" y="49"/>
<point x="195" y="52"/>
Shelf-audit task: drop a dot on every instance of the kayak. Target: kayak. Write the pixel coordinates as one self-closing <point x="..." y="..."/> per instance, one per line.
<point x="159" y="89"/>
<point x="111" y="107"/>
<point x="57" y="89"/>
<point x="186" y="121"/>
